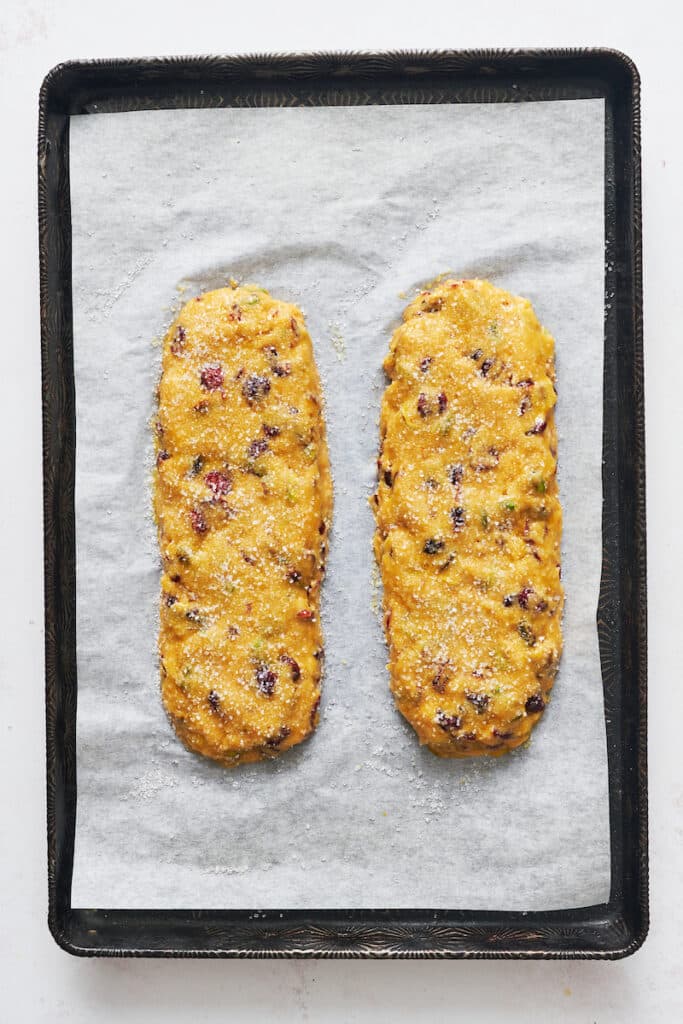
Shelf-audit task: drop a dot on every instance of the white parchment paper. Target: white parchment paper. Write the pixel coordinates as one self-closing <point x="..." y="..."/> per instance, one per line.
<point x="340" y="210"/>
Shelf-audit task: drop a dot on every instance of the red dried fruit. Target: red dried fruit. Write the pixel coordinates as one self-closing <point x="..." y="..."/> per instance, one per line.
<point x="455" y="475"/>
<point x="448" y="723"/>
<point x="280" y="737"/>
<point x="524" y="405"/>
<point x="528" y="383"/>
<point x="432" y="546"/>
<point x="485" y="367"/>
<point x="306" y="614"/>
<point x="458" y="518"/>
<point x="541" y="606"/>
<point x="255" y="388"/>
<point x="441" y="678"/>
<point x="294" y="665"/>
<point x="220" y="484"/>
<point x="212" y="378"/>
<point x="178" y="342"/>
<point x="423" y="406"/>
<point x="535" y="704"/>
<point x="162" y="456"/>
<point x="214" y="700"/>
<point x="198" y="521"/>
<point x="480" y="700"/>
<point x="426" y="363"/>
<point x="235" y="313"/>
<point x="257" y="448"/>
<point x="442" y="400"/>
<point x="538" y="427"/>
<point x="523" y="596"/>
<point x="270" y="431"/>
<point x="282" y="369"/>
<point x="265" y="679"/>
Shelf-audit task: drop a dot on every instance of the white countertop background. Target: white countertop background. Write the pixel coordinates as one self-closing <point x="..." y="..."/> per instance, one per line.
<point x="39" y="982"/>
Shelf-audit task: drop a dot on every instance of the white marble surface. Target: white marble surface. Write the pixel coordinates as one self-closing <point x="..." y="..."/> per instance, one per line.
<point x="37" y="980"/>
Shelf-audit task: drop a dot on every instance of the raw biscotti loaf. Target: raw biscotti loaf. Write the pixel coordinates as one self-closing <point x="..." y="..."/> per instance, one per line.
<point x="243" y="502"/>
<point x="469" y="519"/>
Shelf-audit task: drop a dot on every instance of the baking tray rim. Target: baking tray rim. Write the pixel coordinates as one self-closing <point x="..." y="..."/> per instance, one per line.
<point x="353" y="70"/>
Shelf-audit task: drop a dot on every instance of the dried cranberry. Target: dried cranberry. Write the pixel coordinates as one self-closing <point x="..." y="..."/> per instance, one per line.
<point x="455" y="475"/>
<point x="270" y="431"/>
<point x="198" y="521"/>
<point x="282" y="369"/>
<point x="535" y="704"/>
<point x="178" y="342"/>
<point x="457" y="515"/>
<point x="235" y="312"/>
<point x="485" y="367"/>
<point x="480" y="700"/>
<point x="542" y="606"/>
<point x="387" y="478"/>
<point x="448" y="722"/>
<point x="257" y="448"/>
<point x="162" y="456"/>
<point x="423" y="406"/>
<point x="425" y="363"/>
<point x="212" y="378"/>
<point x="280" y="737"/>
<point x="306" y="614"/>
<point x="255" y="388"/>
<point x="266" y="679"/>
<point x="442" y="399"/>
<point x="523" y="596"/>
<point x="432" y="546"/>
<point x="538" y="427"/>
<point x="525" y="383"/>
<point x="219" y="483"/>
<point x="294" y="665"/>
<point x="441" y="678"/>
<point x="214" y="700"/>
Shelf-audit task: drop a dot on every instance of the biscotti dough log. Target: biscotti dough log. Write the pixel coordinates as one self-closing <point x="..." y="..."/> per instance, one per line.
<point x="469" y="519"/>
<point x="243" y="501"/>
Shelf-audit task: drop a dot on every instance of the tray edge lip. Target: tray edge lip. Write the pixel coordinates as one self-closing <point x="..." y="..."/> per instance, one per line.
<point x="52" y="79"/>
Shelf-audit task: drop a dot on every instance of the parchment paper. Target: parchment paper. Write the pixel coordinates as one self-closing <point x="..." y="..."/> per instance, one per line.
<point x="338" y="209"/>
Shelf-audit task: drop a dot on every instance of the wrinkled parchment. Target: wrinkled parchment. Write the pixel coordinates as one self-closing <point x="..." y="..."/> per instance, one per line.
<point x="341" y="210"/>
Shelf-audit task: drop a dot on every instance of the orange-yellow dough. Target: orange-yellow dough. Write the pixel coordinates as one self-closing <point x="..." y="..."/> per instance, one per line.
<point x="469" y="519"/>
<point x="243" y="501"/>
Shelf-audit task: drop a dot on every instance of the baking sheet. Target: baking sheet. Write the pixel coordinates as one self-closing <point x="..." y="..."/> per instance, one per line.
<point x="339" y="209"/>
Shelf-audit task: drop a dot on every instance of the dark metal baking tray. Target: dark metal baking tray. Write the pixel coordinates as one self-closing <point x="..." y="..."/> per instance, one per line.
<point x="609" y="930"/>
